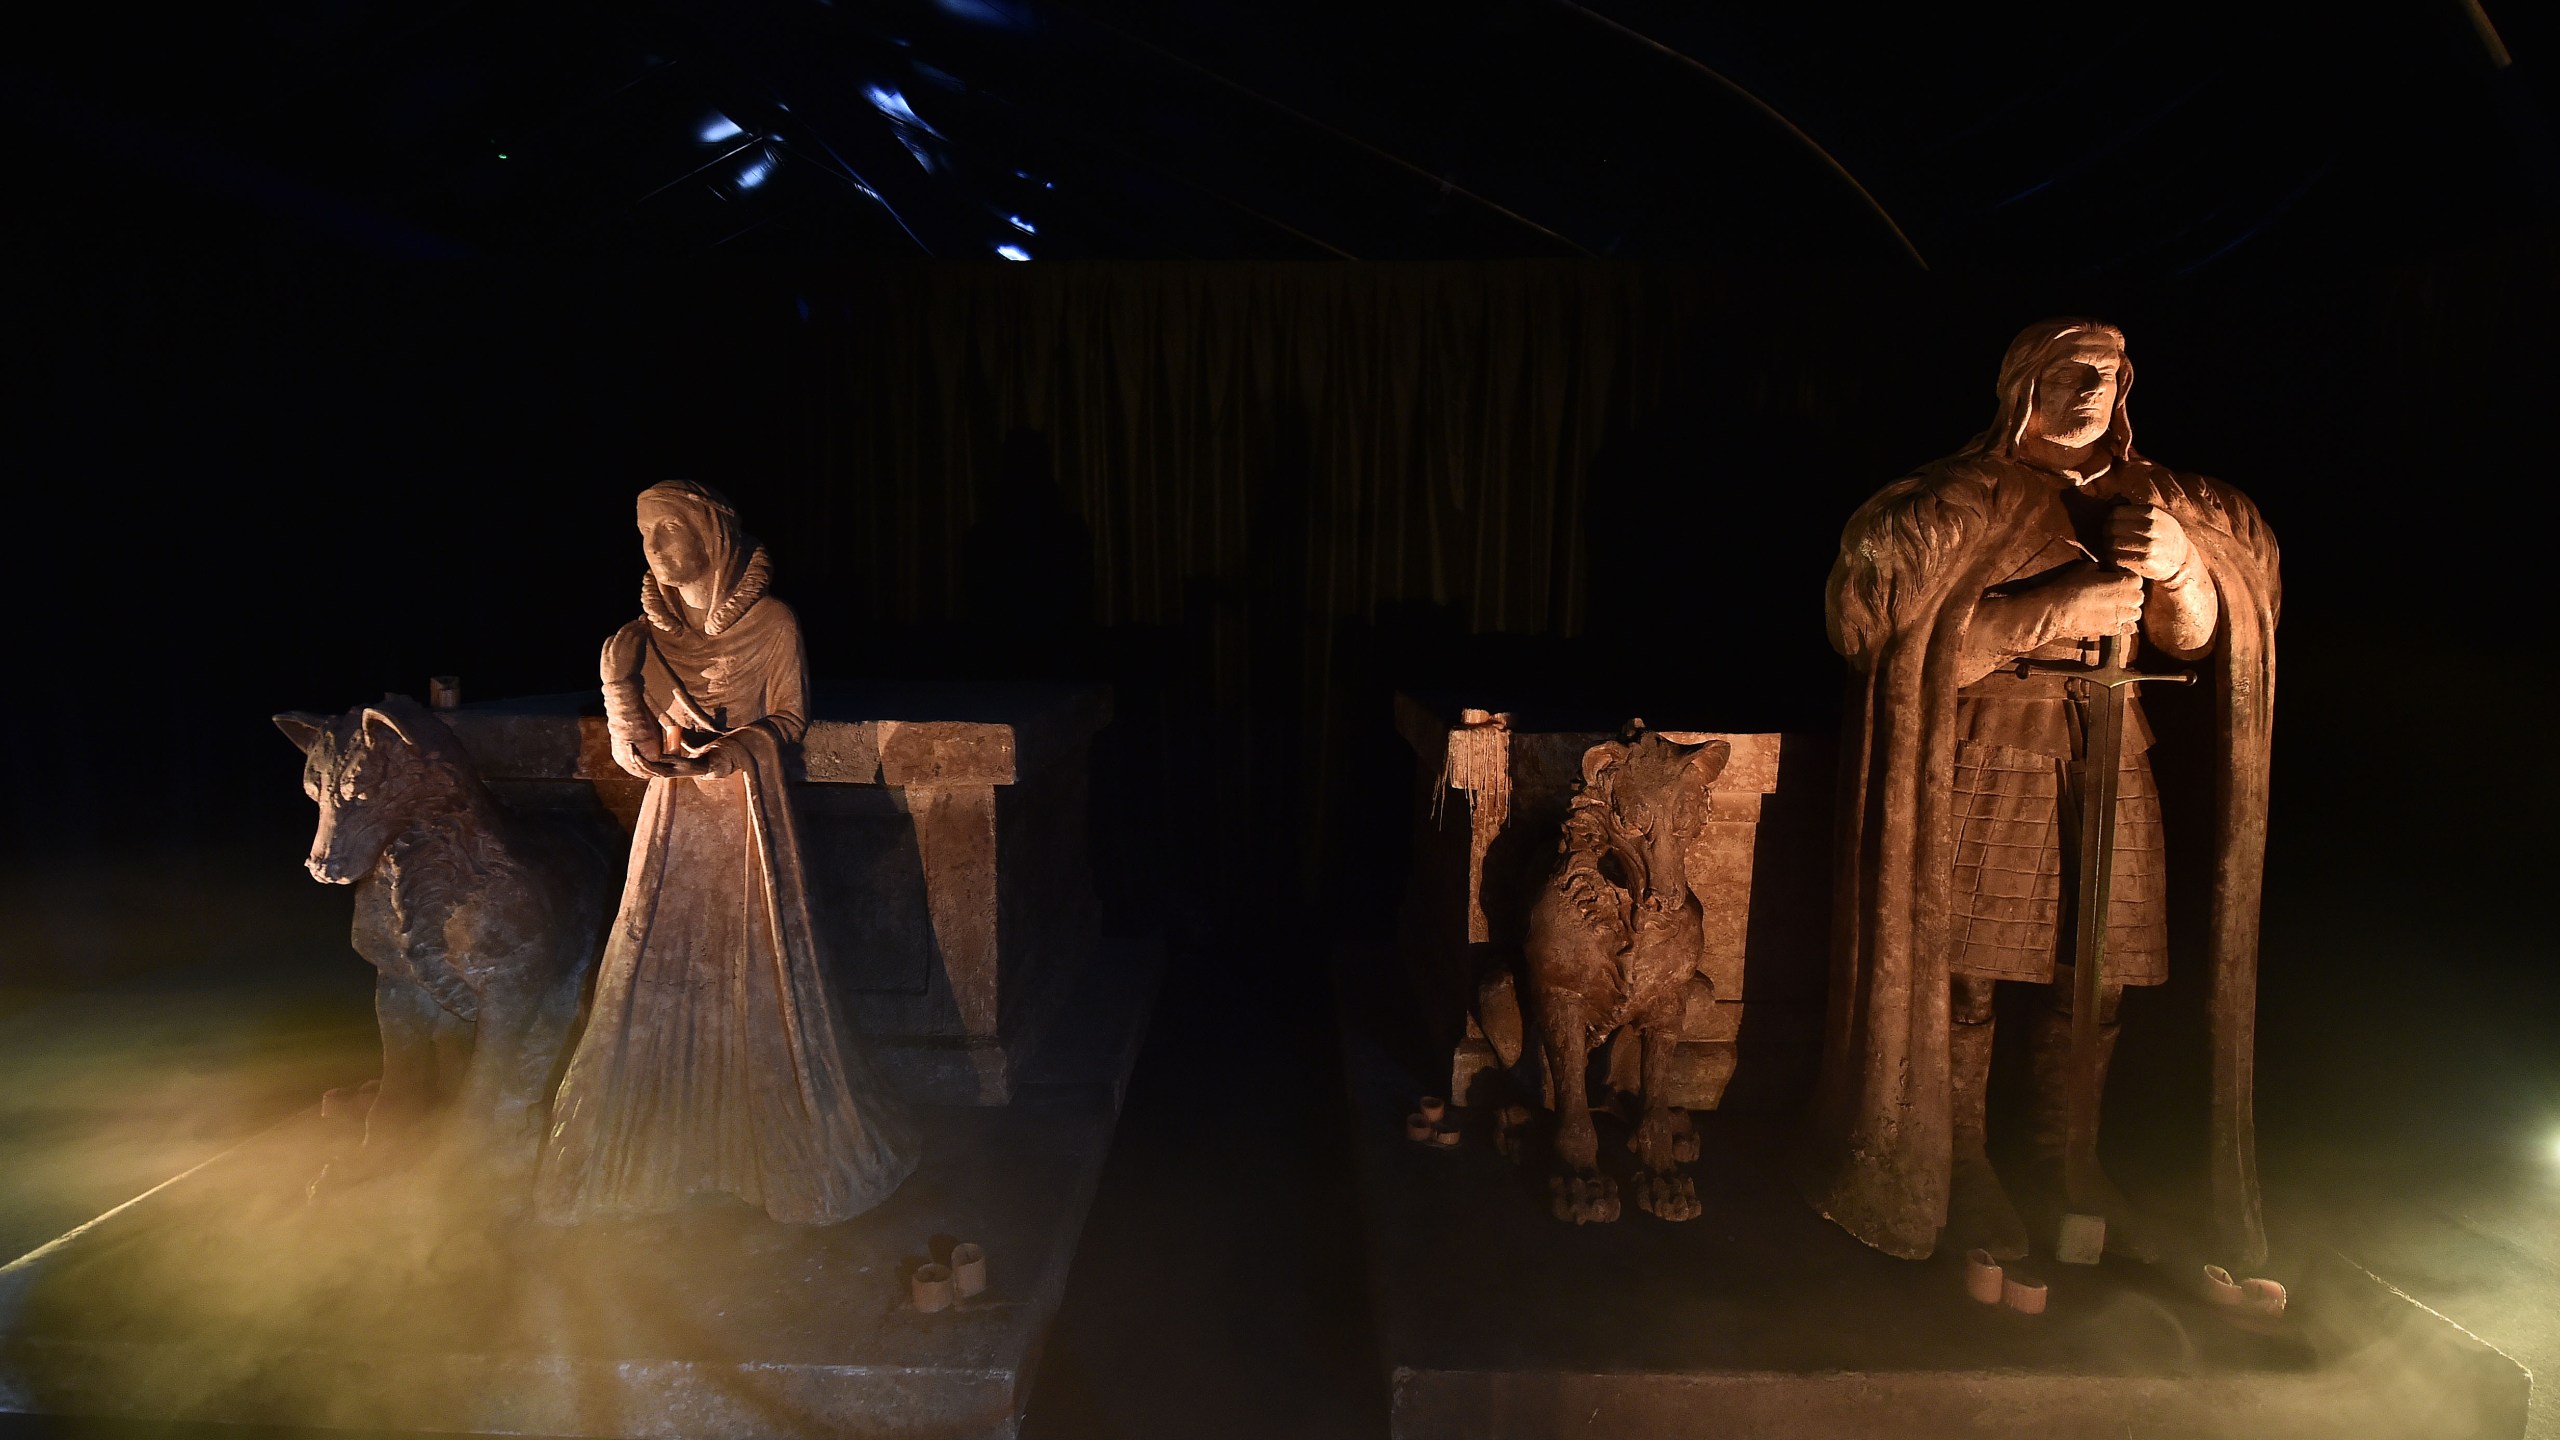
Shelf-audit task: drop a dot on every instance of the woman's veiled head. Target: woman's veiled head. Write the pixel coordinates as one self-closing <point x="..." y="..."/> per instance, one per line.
<point x="689" y="533"/>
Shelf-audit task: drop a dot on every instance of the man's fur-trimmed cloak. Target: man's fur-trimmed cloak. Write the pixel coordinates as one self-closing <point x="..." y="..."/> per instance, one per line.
<point x="1914" y="562"/>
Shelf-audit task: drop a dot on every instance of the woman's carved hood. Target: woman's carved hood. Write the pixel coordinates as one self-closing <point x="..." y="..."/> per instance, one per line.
<point x="734" y="555"/>
<point x="667" y="616"/>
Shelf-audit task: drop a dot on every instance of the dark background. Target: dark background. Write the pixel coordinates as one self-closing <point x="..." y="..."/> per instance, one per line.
<point x="309" y="397"/>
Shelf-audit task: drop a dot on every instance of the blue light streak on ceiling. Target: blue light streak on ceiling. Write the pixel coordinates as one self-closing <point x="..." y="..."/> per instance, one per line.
<point x="894" y="105"/>
<point x="982" y="12"/>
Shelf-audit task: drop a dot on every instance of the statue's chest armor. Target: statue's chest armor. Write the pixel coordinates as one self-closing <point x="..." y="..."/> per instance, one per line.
<point x="404" y="937"/>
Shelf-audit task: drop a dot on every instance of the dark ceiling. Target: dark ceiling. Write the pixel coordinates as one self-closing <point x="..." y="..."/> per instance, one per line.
<point x="2140" y="141"/>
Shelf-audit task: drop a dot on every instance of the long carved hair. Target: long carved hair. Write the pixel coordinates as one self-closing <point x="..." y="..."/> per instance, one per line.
<point x="1903" y="539"/>
<point x="2036" y="347"/>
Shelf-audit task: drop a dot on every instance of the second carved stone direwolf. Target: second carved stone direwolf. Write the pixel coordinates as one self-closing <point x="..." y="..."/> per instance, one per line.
<point x="1614" y="937"/>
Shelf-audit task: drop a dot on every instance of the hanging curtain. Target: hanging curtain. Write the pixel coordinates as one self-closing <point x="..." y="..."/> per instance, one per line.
<point x="1411" y="431"/>
<point x="1262" y="457"/>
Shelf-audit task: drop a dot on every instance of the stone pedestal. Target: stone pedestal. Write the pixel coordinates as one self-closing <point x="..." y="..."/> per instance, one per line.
<point x="225" y="1296"/>
<point x="945" y="831"/>
<point x="1760" y="1320"/>
<point x="1759" y="869"/>
<point x="945" y="840"/>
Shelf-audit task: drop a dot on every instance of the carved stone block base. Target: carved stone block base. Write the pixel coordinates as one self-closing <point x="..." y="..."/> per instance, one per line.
<point x="1700" y="1071"/>
<point x="943" y="1069"/>
<point x="224" y="1296"/>
<point x="1759" y="1319"/>
<point x="1775" y="1054"/>
<point x="947" y="862"/>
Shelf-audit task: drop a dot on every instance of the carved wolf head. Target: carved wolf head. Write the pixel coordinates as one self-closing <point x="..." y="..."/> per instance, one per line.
<point x="372" y="771"/>
<point x="1654" y="793"/>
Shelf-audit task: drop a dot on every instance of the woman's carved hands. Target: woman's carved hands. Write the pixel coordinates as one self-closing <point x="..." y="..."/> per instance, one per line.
<point x="645" y="760"/>
<point x="633" y="763"/>
<point x="719" y="760"/>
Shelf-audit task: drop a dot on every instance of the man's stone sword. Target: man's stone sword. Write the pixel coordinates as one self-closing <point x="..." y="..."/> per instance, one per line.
<point x="2101" y="757"/>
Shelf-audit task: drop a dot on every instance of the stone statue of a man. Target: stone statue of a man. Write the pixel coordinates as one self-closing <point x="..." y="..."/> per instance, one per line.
<point x="2039" y="539"/>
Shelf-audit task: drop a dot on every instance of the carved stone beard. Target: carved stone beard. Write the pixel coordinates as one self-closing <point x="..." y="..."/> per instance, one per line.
<point x="2073" y="431"/>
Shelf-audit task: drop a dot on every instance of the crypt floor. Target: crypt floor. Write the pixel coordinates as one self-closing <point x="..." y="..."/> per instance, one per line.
<point x="151" y="1017"/>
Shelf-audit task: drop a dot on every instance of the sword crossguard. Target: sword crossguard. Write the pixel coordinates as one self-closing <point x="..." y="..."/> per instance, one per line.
<point x="2113" y="670"/>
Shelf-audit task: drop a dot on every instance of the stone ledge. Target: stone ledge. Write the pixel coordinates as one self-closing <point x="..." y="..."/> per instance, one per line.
<point x="551" y="737"/>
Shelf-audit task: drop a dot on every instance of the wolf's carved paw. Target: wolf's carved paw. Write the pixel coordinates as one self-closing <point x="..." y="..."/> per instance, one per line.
<point x="1511" y="1133"/>
<point x="1664" y="1138"/>
<point x="1669" y="1197"/>
<point x="1584" y="1197"/>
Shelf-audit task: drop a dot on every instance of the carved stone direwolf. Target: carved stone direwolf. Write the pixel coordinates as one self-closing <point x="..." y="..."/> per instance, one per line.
<point x="481" y="925"/>
<point x="1614" y="936"/>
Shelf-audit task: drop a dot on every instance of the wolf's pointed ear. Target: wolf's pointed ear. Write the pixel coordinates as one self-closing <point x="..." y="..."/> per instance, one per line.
<point x="376" y="715"/>
<point x="301" y="727"/>
<point x="1599" y="762"/>
<point x="1710" y="761"/>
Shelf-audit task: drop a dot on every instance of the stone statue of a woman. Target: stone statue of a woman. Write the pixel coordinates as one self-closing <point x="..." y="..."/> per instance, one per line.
<point x="713" y="1061"/>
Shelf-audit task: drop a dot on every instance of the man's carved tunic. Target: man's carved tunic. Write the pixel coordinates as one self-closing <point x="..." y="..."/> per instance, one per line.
<point x="2017" y="800"/>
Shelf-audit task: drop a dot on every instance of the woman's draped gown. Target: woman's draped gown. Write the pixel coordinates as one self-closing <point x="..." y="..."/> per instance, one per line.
<point x="712" y="1059"/>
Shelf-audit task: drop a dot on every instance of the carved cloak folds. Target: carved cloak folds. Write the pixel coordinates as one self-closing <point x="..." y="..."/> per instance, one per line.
<point x="1915" y="560"/>
<point x="713" y="1060"/>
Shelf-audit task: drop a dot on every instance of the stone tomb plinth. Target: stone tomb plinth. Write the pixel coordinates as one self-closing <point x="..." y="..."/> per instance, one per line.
<point x="225" y="1296"/>
<point x="1759" y="1320"/>
<point x="1485" y="834"/>
<point x="946" y="845"/>
<point x="948" y="850"/>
